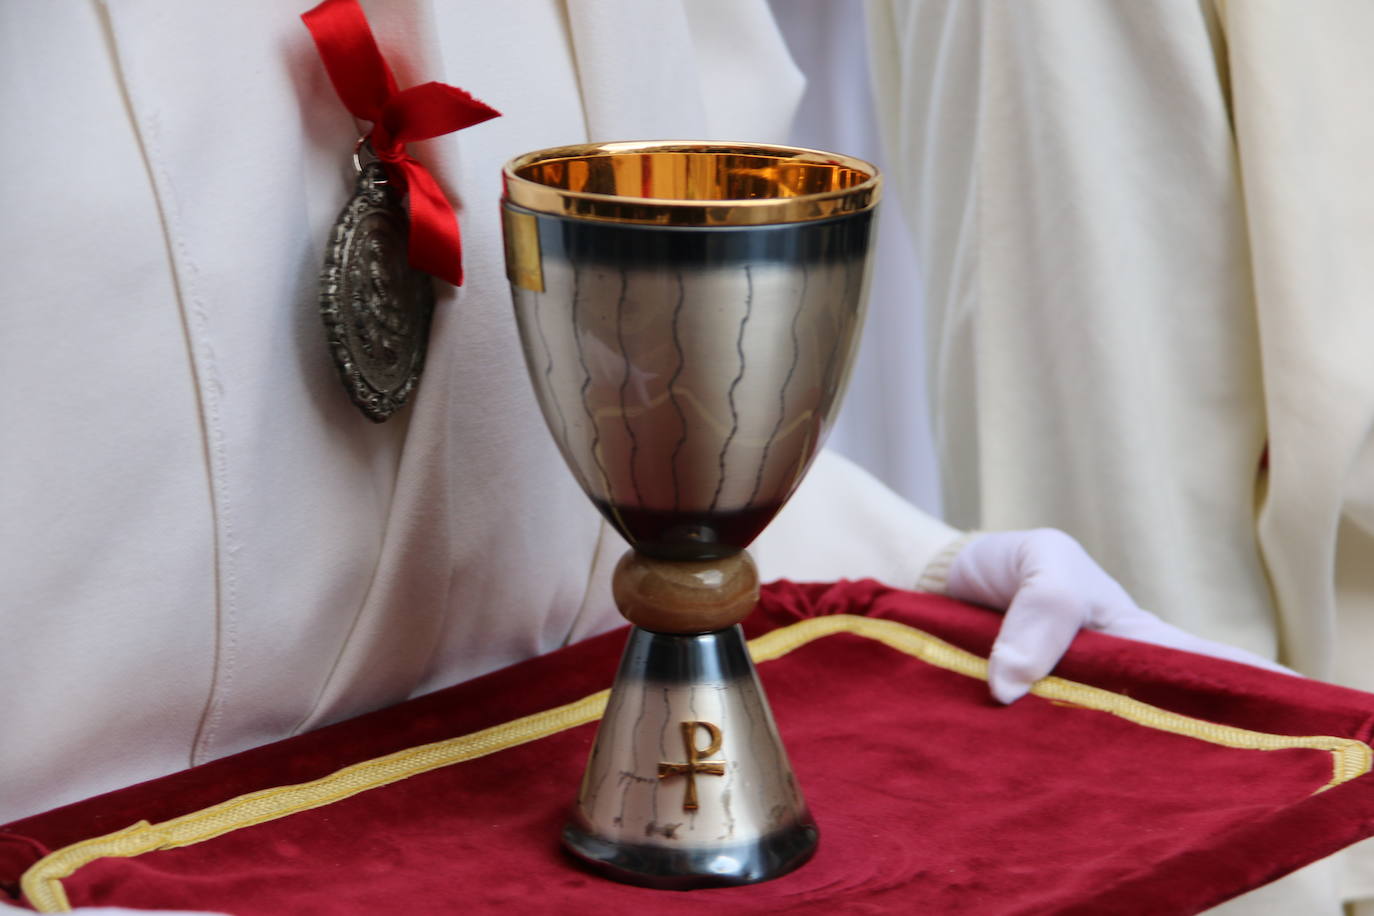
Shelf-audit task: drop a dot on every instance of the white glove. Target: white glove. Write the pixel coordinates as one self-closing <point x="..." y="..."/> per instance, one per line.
<point x="1050" y="588"/>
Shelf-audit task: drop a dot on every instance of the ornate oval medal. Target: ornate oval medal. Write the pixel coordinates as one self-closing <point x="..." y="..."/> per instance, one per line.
<point x="376" y="307"/>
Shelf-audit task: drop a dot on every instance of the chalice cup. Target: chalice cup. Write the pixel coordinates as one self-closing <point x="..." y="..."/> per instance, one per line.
<point x="688" y="313"/>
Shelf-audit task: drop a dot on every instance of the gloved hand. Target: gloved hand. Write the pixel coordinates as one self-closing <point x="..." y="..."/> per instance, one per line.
<point x="1051" y="589"/>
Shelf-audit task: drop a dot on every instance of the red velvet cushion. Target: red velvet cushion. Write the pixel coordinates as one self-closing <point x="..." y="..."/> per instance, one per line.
<point x="930" y="797"/>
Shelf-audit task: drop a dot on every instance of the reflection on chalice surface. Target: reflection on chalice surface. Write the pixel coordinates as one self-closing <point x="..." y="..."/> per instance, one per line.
<point x="688" y="313"/>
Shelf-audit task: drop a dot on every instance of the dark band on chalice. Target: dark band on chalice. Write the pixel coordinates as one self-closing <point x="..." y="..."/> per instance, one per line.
<point x="626" y="245"/>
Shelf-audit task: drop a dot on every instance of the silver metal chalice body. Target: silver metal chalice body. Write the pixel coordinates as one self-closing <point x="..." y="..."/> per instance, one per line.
<point x="688" y="312"/>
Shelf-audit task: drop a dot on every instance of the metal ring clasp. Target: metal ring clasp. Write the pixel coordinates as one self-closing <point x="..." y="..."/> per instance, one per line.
<point x="357" y="159"/>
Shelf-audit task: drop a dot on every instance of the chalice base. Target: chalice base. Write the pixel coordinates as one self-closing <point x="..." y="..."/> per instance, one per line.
<point x="647" y="865"/>
<point x="688" y="784"/>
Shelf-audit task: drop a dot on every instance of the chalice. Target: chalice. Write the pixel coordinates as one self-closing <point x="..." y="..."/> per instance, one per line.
<point x="688" y="313"/>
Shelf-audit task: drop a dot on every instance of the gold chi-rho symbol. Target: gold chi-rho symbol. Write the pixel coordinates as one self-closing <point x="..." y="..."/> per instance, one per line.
<point x="695" y="764"/>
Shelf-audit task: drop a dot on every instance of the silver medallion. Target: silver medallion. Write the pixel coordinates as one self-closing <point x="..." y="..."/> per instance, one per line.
<point x="376" y="307"/>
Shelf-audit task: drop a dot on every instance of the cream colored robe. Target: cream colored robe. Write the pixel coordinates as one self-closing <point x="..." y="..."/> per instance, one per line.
<point x="203" y="546"/>
<point x="1148" y="236"/>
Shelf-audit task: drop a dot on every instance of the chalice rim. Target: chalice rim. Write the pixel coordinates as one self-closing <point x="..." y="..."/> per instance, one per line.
<point x="547" y="199"/>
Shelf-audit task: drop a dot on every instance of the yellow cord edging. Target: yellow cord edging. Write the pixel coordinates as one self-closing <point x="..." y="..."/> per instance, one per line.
<point x="42" y="882"/>
<point x="1349" y="758"/>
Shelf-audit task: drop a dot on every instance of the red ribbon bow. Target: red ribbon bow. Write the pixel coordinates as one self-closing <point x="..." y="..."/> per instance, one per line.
<point x="368" y="90"/>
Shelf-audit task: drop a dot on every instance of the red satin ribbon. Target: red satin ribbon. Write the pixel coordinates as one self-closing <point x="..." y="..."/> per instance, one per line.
<point x="368" y="90"/>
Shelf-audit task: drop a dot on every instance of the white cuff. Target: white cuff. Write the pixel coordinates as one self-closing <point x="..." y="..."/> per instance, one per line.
<point x="935" y="577"/>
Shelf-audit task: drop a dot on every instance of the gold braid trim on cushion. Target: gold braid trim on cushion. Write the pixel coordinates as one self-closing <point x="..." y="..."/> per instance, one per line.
<point x="1349" y="758"/>
<point x="42" y="882"/>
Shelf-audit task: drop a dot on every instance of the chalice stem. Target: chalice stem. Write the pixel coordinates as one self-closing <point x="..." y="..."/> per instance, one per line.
<point x="688" y="784"/>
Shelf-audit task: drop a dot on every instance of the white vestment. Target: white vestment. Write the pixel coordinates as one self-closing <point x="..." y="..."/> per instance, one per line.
<point x="1148" y="236"/>
<point x="204" y="546"/>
